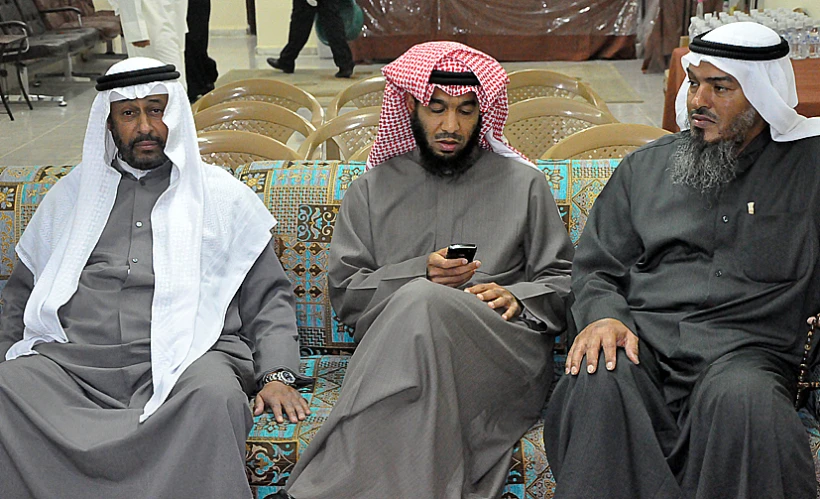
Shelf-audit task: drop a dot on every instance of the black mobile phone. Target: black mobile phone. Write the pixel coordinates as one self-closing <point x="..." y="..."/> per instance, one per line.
<point x="461" y="250"/>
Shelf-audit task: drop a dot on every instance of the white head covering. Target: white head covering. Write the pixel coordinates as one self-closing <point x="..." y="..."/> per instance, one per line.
<point x="767" y="84"/>
<point x="208" y="230"/>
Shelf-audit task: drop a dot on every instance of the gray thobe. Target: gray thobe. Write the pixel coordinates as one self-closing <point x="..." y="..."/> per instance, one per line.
<point x="69" y="416"/>
<point x="440" y="387"/>
<point x="718" y="289"/>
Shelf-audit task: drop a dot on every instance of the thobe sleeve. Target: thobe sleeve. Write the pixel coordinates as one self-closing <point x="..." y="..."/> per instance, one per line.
<point x="608" y="248"/>
<point x="355" y="280"/>
<point x="549" y="254"/>
<point x="267" y="311"/>
<point x="13" y="301"/>
<point x="133" y="21"/>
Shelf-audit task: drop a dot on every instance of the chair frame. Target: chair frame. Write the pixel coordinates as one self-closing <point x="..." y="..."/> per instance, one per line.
<point x="577" y="145"/>
<point x="245" y="89"/>
<point x="354" y="91"/>
<point x="552" y="79"/>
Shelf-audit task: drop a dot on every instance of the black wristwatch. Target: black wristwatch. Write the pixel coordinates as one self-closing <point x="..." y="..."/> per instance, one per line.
<point x="284" y="376"/>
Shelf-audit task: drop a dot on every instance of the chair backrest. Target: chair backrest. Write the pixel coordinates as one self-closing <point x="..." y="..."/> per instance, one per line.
<point x="345" y="134"/>
<point x="364" y="93"/>
<point x="615" y="140"/>
<point x="531" y="83"/>
<point x="31" y="16"/>
<point x="265" y="90"/>
<point x="263" y="118"/>
<point x="233" y="148"/>
<point x="535" y="125"/>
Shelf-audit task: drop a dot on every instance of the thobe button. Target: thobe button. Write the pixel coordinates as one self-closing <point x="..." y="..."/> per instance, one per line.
<point x="134" y="260"/>
<point x="718" y="273"/>
<point x="138" y="224"/>
<point x="725" y="219"/>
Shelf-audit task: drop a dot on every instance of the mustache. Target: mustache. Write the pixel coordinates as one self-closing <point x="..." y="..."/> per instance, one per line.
<point x="447" y="135"/>
<point x="704" y="112"/>
<point x="146" y="137"/>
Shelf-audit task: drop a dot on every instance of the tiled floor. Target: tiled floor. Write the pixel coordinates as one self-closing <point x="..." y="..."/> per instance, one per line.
<point x="52" y="135"/>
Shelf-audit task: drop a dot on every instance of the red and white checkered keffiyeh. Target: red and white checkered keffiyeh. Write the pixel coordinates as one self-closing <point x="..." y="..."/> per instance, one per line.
<point x="411" y="73"/>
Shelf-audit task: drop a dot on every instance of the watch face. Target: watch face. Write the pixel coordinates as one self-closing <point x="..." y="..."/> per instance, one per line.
<point x="288" y="377"/>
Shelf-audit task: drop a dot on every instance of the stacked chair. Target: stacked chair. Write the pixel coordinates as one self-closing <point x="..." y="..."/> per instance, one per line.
<point x="347" y="137"/>
<point x="233" y="148"/>
<point x="262" y="118"/>
<point x="531" y="83"/>
<point x="365" y="93"/>
<point x="534" y="125"/>
<point x="265" y="90"/>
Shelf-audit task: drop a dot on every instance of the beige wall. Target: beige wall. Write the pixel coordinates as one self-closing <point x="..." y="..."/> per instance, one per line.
<point x="272" y="23"/>
<point x="810" y="6"/>
<point x="228" y="15"/>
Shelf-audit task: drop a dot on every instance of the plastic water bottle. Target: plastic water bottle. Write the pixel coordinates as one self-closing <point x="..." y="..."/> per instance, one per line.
<point x="814" y="41"/>
<point x="802" y="40"/>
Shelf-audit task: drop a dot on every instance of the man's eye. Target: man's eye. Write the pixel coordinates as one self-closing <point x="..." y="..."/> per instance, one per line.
<point x="720" y="89"/>
<point x="693" y="83"/>
<point x="467" y="111"/>
<point x="437" y="110"/>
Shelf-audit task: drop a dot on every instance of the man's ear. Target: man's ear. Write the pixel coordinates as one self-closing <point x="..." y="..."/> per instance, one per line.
<point x="108" y="123"/>
<point x="410" y="101"/>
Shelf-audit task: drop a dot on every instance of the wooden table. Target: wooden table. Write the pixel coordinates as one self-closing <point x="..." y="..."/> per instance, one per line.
<point x="806" y="77"/>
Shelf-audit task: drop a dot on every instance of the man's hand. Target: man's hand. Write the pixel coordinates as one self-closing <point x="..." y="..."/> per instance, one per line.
<point x="278" y="397"/>
<point x="497" y="297"/>
<point x="608" y="334"/>
<point x="141" y="43"/>
<point x="453" y="272"/>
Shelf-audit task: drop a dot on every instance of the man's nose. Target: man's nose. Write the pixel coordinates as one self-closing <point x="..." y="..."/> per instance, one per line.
<point x="144" y="123"/>
<point x="450" y="123"/>
<point x="701" y="98"/>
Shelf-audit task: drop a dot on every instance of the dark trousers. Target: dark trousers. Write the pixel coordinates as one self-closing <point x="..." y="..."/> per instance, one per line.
<point x="301" y="23"/>
<point x="200" y="70"/>
<point x="612" y="434"/>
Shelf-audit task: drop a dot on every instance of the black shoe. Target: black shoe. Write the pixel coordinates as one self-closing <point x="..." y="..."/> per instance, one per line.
<point x="344" y="72"/>
<point x="279" y="64"/>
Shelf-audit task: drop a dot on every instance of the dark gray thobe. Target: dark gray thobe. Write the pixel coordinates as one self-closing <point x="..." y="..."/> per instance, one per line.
<point x="440" y="387"/>
<point x="718" y="289"/>
<point x="69" y="416"/>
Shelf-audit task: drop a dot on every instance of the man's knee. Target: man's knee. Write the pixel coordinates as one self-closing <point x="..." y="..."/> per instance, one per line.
<point x="739" y="391"/>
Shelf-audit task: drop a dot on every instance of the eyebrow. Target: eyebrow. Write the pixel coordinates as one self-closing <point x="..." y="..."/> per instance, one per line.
<point x="471" y="102"/>
<point x="712" y="79"/>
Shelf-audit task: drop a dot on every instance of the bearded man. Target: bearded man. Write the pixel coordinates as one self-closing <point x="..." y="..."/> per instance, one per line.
<point x="454" y="356"/>
<point x="147" y="303"/>
<point x="691" y="281"/>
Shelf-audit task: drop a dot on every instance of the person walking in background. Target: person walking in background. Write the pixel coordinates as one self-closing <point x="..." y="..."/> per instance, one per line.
<point x="155" y="29"/>
<point x="200" y="69"/>
<point x="301" y="22"/>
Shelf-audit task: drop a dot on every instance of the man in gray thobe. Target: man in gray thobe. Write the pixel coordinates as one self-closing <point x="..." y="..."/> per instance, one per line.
<point x="454" y="358"/>
<point x="702" y="250"/>
<point x="146" y="305"/>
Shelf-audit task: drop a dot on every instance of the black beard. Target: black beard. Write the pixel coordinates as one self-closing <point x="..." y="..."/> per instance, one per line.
<point x="445" y="166"/>
<point x="708" y="166"/>
<point x="126" y="151"/>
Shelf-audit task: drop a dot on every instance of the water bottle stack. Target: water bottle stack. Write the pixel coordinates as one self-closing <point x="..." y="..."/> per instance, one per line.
<point x="801" y="31"/>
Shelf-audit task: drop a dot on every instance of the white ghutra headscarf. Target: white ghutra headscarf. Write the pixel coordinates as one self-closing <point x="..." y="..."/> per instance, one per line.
<point x="208" y="230"/>
<point x="752" y="54"/>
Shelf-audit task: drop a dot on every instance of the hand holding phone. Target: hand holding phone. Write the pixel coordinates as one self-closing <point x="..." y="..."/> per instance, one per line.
<point x="446" y="266"/>
<point x="461" y="250"/>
